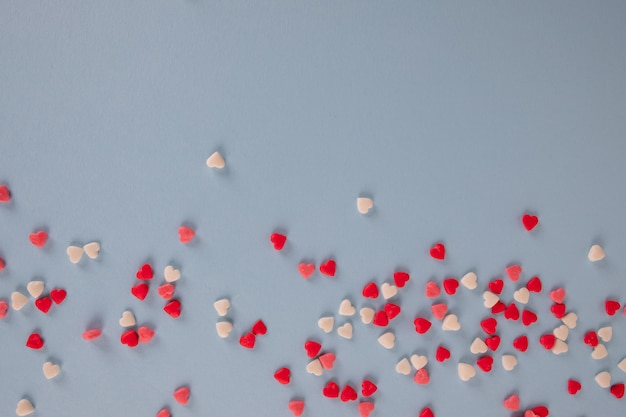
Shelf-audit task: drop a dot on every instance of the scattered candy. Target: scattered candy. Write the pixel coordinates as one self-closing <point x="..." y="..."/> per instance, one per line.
<point x="400" y="278"/>
<point x="521" y="343"/>
<point x="140" y="291"/>
<point x="485" y="363"/>
<point x="442" y="354"/>
<point x="370" y="290"/>
<point x="127" y="319"/>
<point x="326" y="324"/>
<point x="346" y="308"/>
<point x="283" y="376"/>
<point x="522" y="295"/>
<point x="489" y="325"/>
<point x="419" y="361"/>
<point x="368" y="388"/>
<point x="426" y="412"/>
<point x="490" y="299"/>
<point x="4" y="307"/>
<point x="35" y="288"/>
<point x="145" y="272"/>
<point x="478" y="346"/>
<point x="34" y="341"/>
<point x="74" y="253"/>
<point x="606" y="333"/>
<point x="451" y="323"/>
<point x="328" y="268"/>
<point x="278" y="240"/>
<point x="470" y="281"/>
<point x="622" y="365"/>
<point x="92" y="250"/>
<point x="529" y="221"/>
<point x="421" y="377"/>
<point x="173" y="308"/>
<point x="50" y="370"/>
<point x="181" y="395"/>
<point x="513" y="272"/>
<point x="306" y="270"/>
<point x="561" y="332"/>
<point x="366" y="408"/>
<point x="166" y="291"/>
<point x="327" y="360"/>
<point x="248" y="340"/>
<point x="24" y="407"/>
<point x="557" y="295"/>
<point x="164" y="412"/>
<point x="387" y="340"/>
<point x="432" y="289"/>
<point x="364" y="204"/>
<point x="559" y="347"/>
<point x="493" y="342"/>
<point x="617" y="390"/>
<point x="547" y="341"/>
<point x="570" y="320"/>
<point x="466" y="371"/>
<point x="92" y="334"/>
<point x="312" y="348"/>
<point x="315" y="367"/>
<point x="403" y="367"/>
<point x="43" y="304"/>
<point x="438" y="252"/>
<point x="422" y="325"/>
<point x="611" y="307"/>
<point x="599" y="352"/>
<point x="130" y="338"/>
<point x="450" y="285"/>
<point x="215" y="161"/>
<point x="223" y="328"/>
<point x="296" y="407"/>
<point x="529" y="317"/>
<point x="58" y="295"/>
<point x="345" y="331"/>
<point x="259" y="328"/>
<point x="496" y="286"/>
<point x="509" y="362"/>
<point x="186" y="234"/>
<point x="331" y="390"/>
<point x="367" y="315"/>
<point x="381" y="319"/>
<point x="511" y="402"/>
<point x="348" y="394"/>
<point x="591" y="339"/>
<point x="171" y="274"/>
<point x="222" y="306"/>
<point x="596" y="253"/>
<point x="5" y="194"/>
<point x="39" y="238"/>
<point x="145" y="334"/>
<point x="388" y="290"/>
<point x="534" y="285"/>
<point x="603" y="379"/>
<point x="439" y="310"/>
<point x="573" y="386"/>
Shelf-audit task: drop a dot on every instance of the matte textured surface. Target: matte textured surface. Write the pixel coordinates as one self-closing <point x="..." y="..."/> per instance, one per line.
<point x="456" y="117"/>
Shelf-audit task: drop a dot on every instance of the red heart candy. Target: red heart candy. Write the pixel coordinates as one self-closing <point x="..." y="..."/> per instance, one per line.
<point x="511" y="312"/>
<point x="296" y="407"/>
<point x="558" y="310"/>
<point x="331" y="390"/>
<point x="366" y="408"/>
<point x="130" y="338"/>
<point x="259" y="328"/>
<point x="92" y="334"/>
<point x="617" y="390"/>
<point x="186" y="234"/>
<point x="493" y="342"/>
<point x="439" y="310"/>
<point x="278" y="240"/>
<point x="312" y="348"/>
<point x="496" y="286"/>
<point x="513" y="272"/>
<point x="348" y="394"/>
<point x="541" y="411"/>
<point x="401" y="278"/>
<point x="39" y="238"/>
<point x="43" y="304"/>
<point x="370" y="290"/>
<point x="5" y="194"/>
<point x="591" y="339"/>
<point x="140" y="291"/>
<point x="534" y="285"/>
<point x="327" y="360"/>
<point x="34" y="341"/>
<point x="164" y="412"/>
<point x="181" y="395"/>
<point x="528" y="317"/>
<point x="306" y="270"/>
<point x="392" y="310"/>
<point x="611" y="307"/>
<point x="557" y="295"/>
<point x="530" y="221"/>
<point x="489" y="325"/>
<point x="521" y="343"/>
<point x="485" y="363"/>
<point x="166" y="291"/>
<point x="498" y="308"/>
<point x="421" y="325"/>
<point x="173" y="308"/>
<point x="58" y="295"/>
<point x="381" y="319"/>
<point x="145" y="272"/>
<point x="432" y="289"/>
<point x="426" y="412"/>
<point x="4" y="306"/>
<point x="145" y="334"/>
<point x="368" y="388"/>
<point x="2" y="264"/>
<point x="573" y="386"/>
<point x="547" y="341"/>
<point x="247" y="340"/>
<point x="283" y="376"/>
<point x="450" y="285"/>
<point x="512" y="403"/>
<point x="442" y="354"/>
<point x="421" y="377"/>
<point x="438" y="251"/>
<point x="328" y="268"/>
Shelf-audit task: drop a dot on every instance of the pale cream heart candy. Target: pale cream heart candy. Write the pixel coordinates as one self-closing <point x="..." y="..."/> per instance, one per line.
<point x="596" y="253"/>
<point x="388" y="290"/>
<point x="387" y="340"/>
<point x="490" y="298"/>
<point x="364" y="204"/>
<point x="451" y="323"/>
<point x="466" y="371"/>
<point x="522" y="295"/>
<point x="367" y="315"/>
<point x="50" y="370"/>
<point x="418" y="361"/>
<point x="346" y="308"/>
<point x="24" y="407"/>
<point x="92" y="249"/>
<point x="622" y="365"/>
<point x="561" y="332"/>
<point x="18" y="300"/>
<point x="469" y="281"/>
<point x="599" y="352"/>
<point x="326" y="324"/>
<point x="215" y="161"/>
<point x="603" y="379"/>
<point x="223" y="328"/>
<point x="127" y="319"/>
<point x="171" y="274"/>
<point x="403" y="367"/>
<point x="509" y="362"/>
<point x="74" y="253"/>
<point x="606" y="333"/>
<point x="315" y="367"/>
<point x="478" y="346"/>
<point x="570" y="320"/>
<point x="559" y="347"/>
<point x="345" y="331"/>
<point x="222" y="306"/>
<point x="35" y="288"/>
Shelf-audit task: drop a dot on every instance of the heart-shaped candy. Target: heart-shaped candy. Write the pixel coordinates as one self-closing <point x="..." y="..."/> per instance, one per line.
<point x="222" y="306"/>
<point x="534" y="285"/>
<point x="35" y="341"/>
<point x="450" y="285"/>
<point x="24" y="408"/>
<point x="547" y="341"/>
<point x="259" y="328"/>
<point x="186" y="234"/>
<point x="496" y="286"/>
<point x="296" y="407"/>
<point x="617" y="390"/>
<point x="388" y="290"/>
<point x="421" y="377"/>
<point x="50" y="370"/>
<point x="442" y="354"/>
<point x="4" y="307"/>
<point x="92" y="334"/>
<point x="387" y="340"/>
<point x="74" y="253"/>
<point x="509" y="362"/>
<point x="511" y="402"/>
<point x="489" y="325"/>
<point x="439" y="310"/>
<point x="247" y="340"/>
<point x="145" y="334"/>
<point x="513" y="272"/>
<point x="469" y="281"/>
<point x="573" y="386"/>
<point x="522" y="295"/>
<point x="493" y="342"/>
<point x="611" y="307"/>
<point x="528" y="317"/>
<point x="315" y="367"/>
<point x="166" y="291"/>
<point x="426" y="412"/>
<point x="368" y="388"/>
<point x="173" y="308"/>
<point x="215" y="161"/>
<point x="130" y="338"/>
<point x="478" y="346"/>
<point x="346" y="308"/>
<point x="364" y="204"/>
<point x="326" y="324"/>
<point x="599" y="352"/>
<point x="521" y="343"/>
<point x="381" y="319"/>
<point x="223" y="328"/>
<point x="367" y="315"/>
<point x="400" y="278"/>
<point x="596" y="253"/>
<point x="127" y="319"/>
<point x="466" y="371"/>
<point x="328" y="268"/>
<point x="557" y="295"/>
<point x="327" y="360"/>
<point x="39" y="238"/>
<point x="43" y="304"/>
<point x="145" y="272"/>
<point x="490" y="299"/>
<point x="605" y="333"/>
<point x="559" y="347"/>
<point x="419" y="361"/>
<point x="403" y="367"/>
<point x="366" y="408"/>
<point x="283" y="376"/>
<point x="92" y="249"/>
<point x="345" y="331"/>
<point x="181" y="395"/>
<point x="432" y="289"/>
<point x="140" y="291"/>
<point x="278" y="240"/>
<point x="529" y="221"/>
<point x="438" y="251"/>
<point x="422" y="325"/>
<point x="306" y="270"/>
<point x="370" y="290"/>
<point x="5" y="194"/>
<point x="485" y="363"/>
<point x="35" y="288"/>
<point x="58" y="295"/>
<point x="331" y="390"/>
<point x="171" y="274"/>
<point x="570" y="320"/>
<point x="451" y="323"/>
<point x="312" y="348"/>
<point x="603" y="379"/>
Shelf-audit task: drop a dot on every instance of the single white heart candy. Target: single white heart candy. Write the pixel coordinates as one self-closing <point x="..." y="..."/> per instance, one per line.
<point x="522" y="295"/>
<point x="127" y="319"/>
<point x="74" y="253"/>
<point x="490" y="298"/>
<point x="418" y="361"/>
<point x="388" y="290"/>
<point x="24" y="407"/>
<point x="559" y="347"/>
<point x="606" y="333"/>
<point x="92" y="249"/>
<point x="596" y="253"/>
<point x="451" y="323"/>
<point x="18" y="300"/>
<point x="345" y="331"/>
<point x="171" y="274"/>
<point x="466" y="371"/>
<point x="387" y="340"/>
<point x="570" y="320"/>
<point x="35" y="288"/>
<point x="326" y="324"/>
<point x="622" y="365"/>
<point x="561" y="332"/>
<point x="222" y="306"/>
<point x="599" y="352"/>
<point x="315" y="367"/>
<point x="469" y="281"/>
<point x="346" y="308"/>
<point x="603" y="379"/>
<point x="478" y="346"/>
<point x="367" y="315"/>
<point x="50" y="370"/>
<point x="403" y="367"/>
<point x="215" y="161"/>
<point x="509" y="362"/>
<point x="364" y="204"/>
<point x="223" y="328"/>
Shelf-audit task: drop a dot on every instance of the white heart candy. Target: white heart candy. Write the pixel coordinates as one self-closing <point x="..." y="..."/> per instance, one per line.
<point x="326" y="324"/>
<point x="466" y="371"/>
<point x="559" y="347"/>
<point x="315" y="367"/>
<point x="345" y="331"/>
<point x="388" y="290"/>
<point x="570" y="320"/>
<point x="478" y="346"/>
<point x="622" y="365"/>
<point x="74" y="253"/>
<point x="50" y="370"/>
<point x="367" y="315"/>
<point x="35" y="288"/>
<point x="223" y="328"/>
<point x="222" y="306"/>
<point x="171" y="274"/>
<point x="522" y="295"/>
<point x="490" y="298"/>
<point x="215" y="161"/>
<point x="603" y="379"/>
<point x="346" y="308"/>
<point x="418" y="361"/>
<point x="18" y="300"/>
<point x="606" y="333"/>
<point x="387" y="340"/>
<point x="596" y="253"/>
<point x="561" y="332"/>
<point x="127" y="319"/>
<point x="599" y="352"/>
<point x="24" y="407"/>
<point x="92" y="249"/>
<point x="451" y="323"/>
<point x="509" y="362"/>
<point x="403" y="367"/>
<point x="469" y="281"/>
<point x="364" y="204"/>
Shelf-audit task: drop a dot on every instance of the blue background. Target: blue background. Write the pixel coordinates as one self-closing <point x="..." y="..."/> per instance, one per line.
<point x="457" y="117"/>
